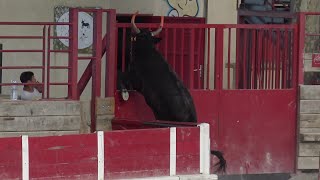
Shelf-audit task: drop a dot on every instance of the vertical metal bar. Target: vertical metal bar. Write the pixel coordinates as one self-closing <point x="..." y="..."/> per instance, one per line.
<point x="48" y="62"/>
<point x="111" y="56"/>
<point x="259" y="59"/>
<point x="208" y="58"/>
<point x="174" y="49"/>
<point x="229" y="53"/>
<point x="166" y="44"/>
<point x="245" y="50"/>
<point x="269" y="58"/>
<point x="191" y="59"/>
<point x="182" y="56"/>
<point x="198" y="75"/>
<point x="253" y="59"/>
<point x="238" y="57"/>
<point x="97" y="43"/>
<point x="96" y="67"/>
<point x="43" y="59"/>
<point x="272" y="58"/>
<point x="302" y="23"/>
<point x="264" y="55"/>
<point x="219" y="57"/>
<point x="285" y="52"/>
<point x="73" y="55"/>
<point x="278" y="60"/>
<point x="295" y="70"/>
<point x="123" y="52"/>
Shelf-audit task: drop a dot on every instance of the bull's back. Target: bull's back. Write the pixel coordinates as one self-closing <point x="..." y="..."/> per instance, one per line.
<point x="163" y="87"/>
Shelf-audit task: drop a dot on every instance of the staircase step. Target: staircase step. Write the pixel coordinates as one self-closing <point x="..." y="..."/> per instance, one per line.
<point x="310" y="137"/>
<point x="308" y="163"/>
<point x="310" y="106"/>
<point x="309" y="120"/>
<point x="309" y="149"/>
<point x="309" y="92"/>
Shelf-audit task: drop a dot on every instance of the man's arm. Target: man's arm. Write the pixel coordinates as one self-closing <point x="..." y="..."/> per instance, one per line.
<point x="38" y="87"/>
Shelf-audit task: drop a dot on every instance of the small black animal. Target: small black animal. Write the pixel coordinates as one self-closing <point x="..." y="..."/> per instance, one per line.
<point x="83" y="24"/>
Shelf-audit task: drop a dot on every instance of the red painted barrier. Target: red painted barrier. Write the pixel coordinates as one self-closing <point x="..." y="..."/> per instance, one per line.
<point x="127" y="154"/>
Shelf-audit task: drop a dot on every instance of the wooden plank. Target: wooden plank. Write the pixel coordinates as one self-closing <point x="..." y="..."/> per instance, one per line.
<point x="310" y="137"/>
<point x="39" y="133"/>
<point x="105" y="106"/>
<point x="310" y="106"/>
<point x="309" y="149"/>
<point x="308" y="163"/>
<point x="85" y="117"/>
<point x="309" y="130"/>
<point x="103" y="122"/>
<point x="137" y="151"/>
<point x="63" y="155"/>
<point x="188" y="150"/>
<point x="11" y="158"/>
<point x="310" y="121"/>
<point x="309" y="92"/>
<point x="40" y="123"/>
<point x="39" y="108"/>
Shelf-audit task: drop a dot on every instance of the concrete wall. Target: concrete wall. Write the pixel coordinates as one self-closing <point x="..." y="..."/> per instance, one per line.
<point x="161" y="7"/>
<point x="35" y="10"/>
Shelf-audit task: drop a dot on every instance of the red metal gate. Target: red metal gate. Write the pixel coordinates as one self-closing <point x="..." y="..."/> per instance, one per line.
<point x="249" y="95"/>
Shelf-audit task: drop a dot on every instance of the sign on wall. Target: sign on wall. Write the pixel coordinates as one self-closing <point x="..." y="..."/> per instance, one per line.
<point x="85" y="30"/>
<point x="183" y="8"/>
<point x="316" y="60"/>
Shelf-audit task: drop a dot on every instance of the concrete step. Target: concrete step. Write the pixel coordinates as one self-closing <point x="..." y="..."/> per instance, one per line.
<point x="309" y="92"/>
<point x="308" y="163"/>
<point x="309" y="149"/>
<point x="310" y="137"/>
<point x="310" y="106"/>
<point x="309" y="120"/>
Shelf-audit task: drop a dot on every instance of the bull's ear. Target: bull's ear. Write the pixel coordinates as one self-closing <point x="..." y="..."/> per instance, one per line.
<point x="156" y="40"/>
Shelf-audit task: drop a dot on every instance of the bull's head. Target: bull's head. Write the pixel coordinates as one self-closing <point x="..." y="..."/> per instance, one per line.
<point x="143" y="35"/>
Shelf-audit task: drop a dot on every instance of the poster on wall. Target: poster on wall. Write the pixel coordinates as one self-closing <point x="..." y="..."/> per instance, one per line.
<point x="315" y="60"/>
<point x="183" y="8"/>
<point x="85" y="30"/>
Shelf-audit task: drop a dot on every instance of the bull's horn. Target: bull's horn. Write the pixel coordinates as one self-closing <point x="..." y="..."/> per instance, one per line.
<point x="134" y="27"/>
<point x="156" y="32"/>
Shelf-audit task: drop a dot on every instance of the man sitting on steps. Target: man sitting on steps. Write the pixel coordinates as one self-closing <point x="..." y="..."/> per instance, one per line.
<point x="30" y="92"/>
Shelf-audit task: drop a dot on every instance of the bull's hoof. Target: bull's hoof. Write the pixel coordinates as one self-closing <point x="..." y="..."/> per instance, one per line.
<point x="125" y="94"/>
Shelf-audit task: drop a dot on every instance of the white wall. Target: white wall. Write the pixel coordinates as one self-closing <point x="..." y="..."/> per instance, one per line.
<point x="155" y="7"/>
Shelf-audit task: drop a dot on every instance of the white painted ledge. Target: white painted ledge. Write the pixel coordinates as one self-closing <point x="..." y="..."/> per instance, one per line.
<point x="182" y="177"/>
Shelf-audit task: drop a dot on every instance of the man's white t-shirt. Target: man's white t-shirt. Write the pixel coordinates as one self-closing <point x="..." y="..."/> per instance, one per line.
<point x="26" y="95"/>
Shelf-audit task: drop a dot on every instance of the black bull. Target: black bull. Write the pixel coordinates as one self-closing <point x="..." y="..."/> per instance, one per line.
<point x="149" y="73"/>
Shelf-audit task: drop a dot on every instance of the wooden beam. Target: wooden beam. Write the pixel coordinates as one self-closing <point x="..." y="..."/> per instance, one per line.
<point x="41" y="123"/>
<point x="39" y="108"/>
<point x="37" y="134"/>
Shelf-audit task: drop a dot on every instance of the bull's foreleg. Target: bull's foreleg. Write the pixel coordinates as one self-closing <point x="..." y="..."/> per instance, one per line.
<point x="122" y="81"/>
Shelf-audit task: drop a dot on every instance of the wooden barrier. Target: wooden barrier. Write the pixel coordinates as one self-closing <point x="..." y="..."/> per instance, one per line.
<point x="109" y="155"/>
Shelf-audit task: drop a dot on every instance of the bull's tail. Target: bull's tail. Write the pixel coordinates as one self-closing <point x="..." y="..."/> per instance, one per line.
<point x="222" y="162"/>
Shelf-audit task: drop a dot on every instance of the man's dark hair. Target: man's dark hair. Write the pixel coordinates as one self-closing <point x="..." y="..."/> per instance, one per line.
<point x="26" y="76"/>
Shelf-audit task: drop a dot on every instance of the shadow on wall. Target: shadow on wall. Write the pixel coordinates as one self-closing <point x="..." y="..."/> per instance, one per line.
<point x="183" y="8"/>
